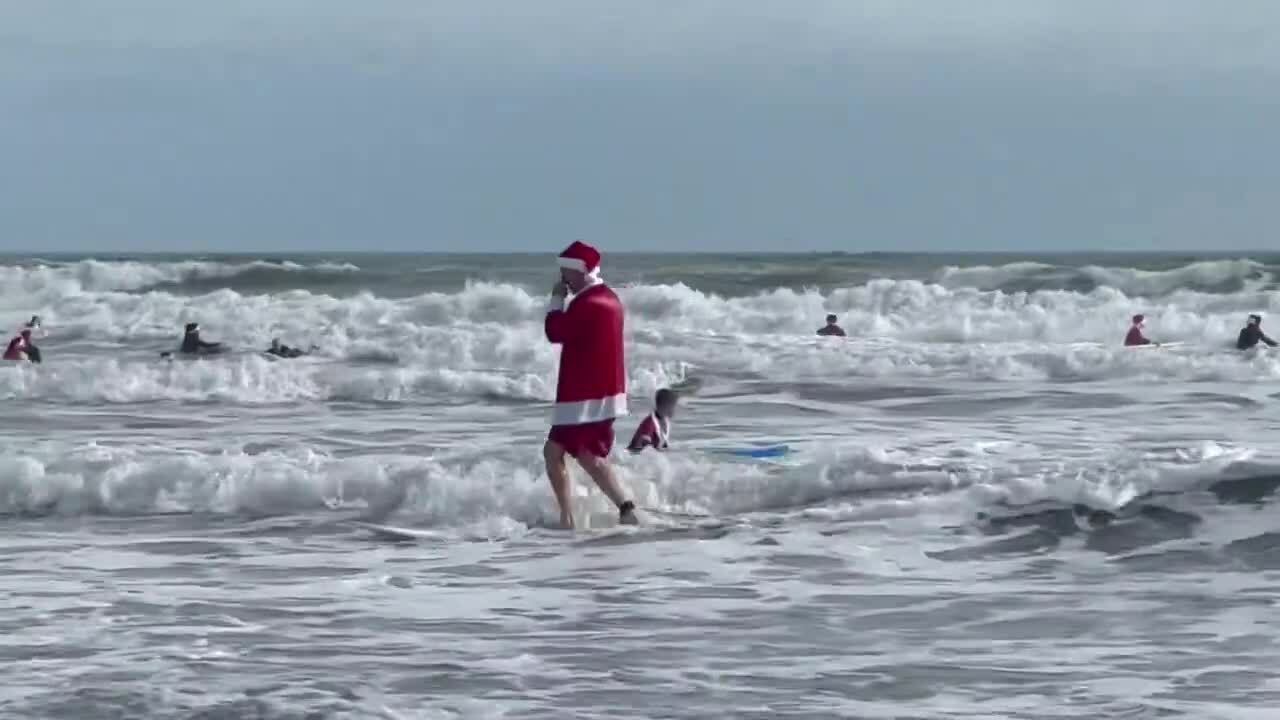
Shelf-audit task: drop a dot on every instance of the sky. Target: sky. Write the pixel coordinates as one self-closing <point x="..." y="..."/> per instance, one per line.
<point x="704" y="125"/>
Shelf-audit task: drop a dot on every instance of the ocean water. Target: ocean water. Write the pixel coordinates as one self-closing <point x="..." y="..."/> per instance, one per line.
<point x="990" y="509"/>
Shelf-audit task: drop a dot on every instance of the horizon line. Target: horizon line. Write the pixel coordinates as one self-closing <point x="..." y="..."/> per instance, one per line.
<point x="763" y="253"/>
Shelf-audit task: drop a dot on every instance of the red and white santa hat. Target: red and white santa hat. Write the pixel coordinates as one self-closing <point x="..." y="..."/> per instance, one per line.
<point x="581" y="257"/>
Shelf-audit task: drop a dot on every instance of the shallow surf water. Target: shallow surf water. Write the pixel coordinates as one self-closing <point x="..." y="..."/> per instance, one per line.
<point x="988" y="510"/>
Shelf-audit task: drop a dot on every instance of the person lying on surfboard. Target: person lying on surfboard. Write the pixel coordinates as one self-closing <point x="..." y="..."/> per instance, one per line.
<point x="1135" y="336"/>
<point x="279" y="349"/>
<point x="1251" y="334"/>
<point x="655" y="429"/>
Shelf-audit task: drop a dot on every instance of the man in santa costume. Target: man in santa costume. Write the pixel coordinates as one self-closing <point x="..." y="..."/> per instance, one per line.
<point x="592" y="387"/>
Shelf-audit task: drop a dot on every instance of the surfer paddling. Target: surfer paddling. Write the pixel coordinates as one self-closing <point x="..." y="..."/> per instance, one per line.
<point x="1135" y="335"/>
<point x="1252" y="334"/>
<point x="591" y="389"/>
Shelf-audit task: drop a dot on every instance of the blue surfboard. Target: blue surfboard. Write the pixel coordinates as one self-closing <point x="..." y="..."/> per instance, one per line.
<point x="764" y="451"/>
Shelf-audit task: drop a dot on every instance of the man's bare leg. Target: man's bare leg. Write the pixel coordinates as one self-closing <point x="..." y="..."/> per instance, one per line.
<point x="558" y="473"/>
<point x="602" y="473"/>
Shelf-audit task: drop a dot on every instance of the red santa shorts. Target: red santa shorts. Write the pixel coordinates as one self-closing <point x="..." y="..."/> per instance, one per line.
<point x="588" y="439"/>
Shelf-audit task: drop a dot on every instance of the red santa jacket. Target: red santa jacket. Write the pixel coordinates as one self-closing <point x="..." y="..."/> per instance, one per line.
<point x="653" y="432"/>
<point x="17" y="349"/>
<point x="592" y="385"/>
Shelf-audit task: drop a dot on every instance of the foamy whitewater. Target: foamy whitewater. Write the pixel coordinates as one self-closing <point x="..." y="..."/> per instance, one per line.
<point x="990" y="509"/>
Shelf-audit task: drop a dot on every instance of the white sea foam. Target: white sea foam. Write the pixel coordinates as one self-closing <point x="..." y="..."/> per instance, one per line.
<point x="487" y="340"/>
<point x="484" y="343"/>
<point x="482" y="485"/>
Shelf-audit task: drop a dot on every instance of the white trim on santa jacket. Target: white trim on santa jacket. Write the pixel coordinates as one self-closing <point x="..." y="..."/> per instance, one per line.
<point x="582" y="412"/>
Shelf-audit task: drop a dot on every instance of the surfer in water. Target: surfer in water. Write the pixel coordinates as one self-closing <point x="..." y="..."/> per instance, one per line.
<point x="21" y="348"/>
<point x="193" y="345"/>
<point x="591" y="389"/>
<point x="1251" y="334"/>
<point x="279" y="349"/>
<point x="655" y="429"/>
<point x="831" y="328"/>
<point x="1135" y="336"/>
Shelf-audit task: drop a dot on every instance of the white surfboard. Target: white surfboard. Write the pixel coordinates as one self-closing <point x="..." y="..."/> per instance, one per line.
<point x="1154" y="346"/>
<point x="391" y="532"/>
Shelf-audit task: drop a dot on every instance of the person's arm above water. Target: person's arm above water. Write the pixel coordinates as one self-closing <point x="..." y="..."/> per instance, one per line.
<point x="1266" y="339"/>
<point x="559" y="324"/>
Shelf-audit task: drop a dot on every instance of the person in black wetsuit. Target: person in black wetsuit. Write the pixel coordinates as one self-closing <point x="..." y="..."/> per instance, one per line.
<point x="281" y="350"/>
<point x="33" y="352"/>
<point x="192" y="344"/>
<point x="831" y="328"/>
<point x="1251" y="334"/>
<point x="1135" y="336"/>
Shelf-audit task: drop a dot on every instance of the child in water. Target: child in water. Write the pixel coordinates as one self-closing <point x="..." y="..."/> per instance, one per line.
<point x="655" y="429"/>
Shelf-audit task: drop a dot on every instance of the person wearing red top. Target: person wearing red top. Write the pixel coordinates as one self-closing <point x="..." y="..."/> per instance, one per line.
<point x="591" y="388"/>
<point x="1135" y="336"/>
<point x="655" y="429"/>
<point x="21" y="348"/>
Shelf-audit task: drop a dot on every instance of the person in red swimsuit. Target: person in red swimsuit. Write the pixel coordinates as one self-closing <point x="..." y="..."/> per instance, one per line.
<point x="591" y="390"/>
<point x="655" y="429"/>
<point x="21" y="349"/>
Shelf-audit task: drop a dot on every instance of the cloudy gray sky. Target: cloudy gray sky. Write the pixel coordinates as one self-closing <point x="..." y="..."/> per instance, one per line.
<point x="700" y="124"/>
